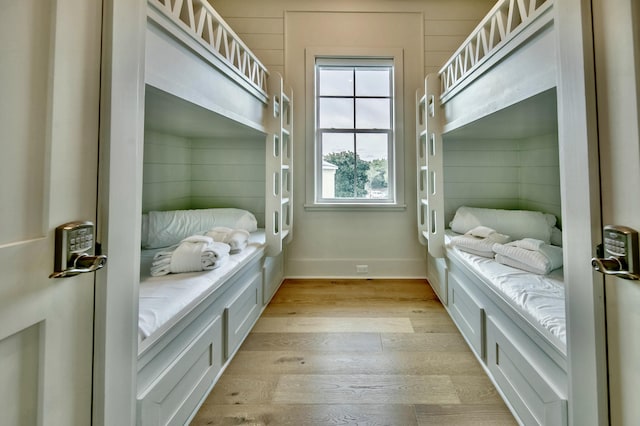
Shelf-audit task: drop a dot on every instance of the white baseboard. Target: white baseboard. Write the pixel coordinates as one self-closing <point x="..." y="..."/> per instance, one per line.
<point x="347" y="268"/>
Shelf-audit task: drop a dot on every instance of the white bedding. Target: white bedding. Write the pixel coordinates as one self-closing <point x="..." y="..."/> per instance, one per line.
<point x="166" y="299"/>
<point x="540" y="298"/>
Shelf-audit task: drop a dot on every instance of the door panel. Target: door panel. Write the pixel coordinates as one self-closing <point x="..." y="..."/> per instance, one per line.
<point x="617" y="74"/>
<point x="24" y="118"/>
<point x="49" y="87"/>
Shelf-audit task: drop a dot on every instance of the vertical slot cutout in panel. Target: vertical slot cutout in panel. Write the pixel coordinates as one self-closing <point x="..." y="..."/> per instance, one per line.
<point x="432" y="183"/>
<point x="432" y="144"/>
<point x="276" y="184"/>
<point x="285" y="214"/>
<point x="431" y="106"/>
<point x="433" y="227"/>
<point x="286" y="151"/>
<point x="422" y="149"/>
<point x="276" y="146"/>
<point x="276" y="222"/>
<point x="287" y="114"/>
<point x="285" y="183"/>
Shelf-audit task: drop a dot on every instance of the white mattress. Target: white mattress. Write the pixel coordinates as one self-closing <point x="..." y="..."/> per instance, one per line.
<point x="539" y="298"/>
<point x="166" y="299"/>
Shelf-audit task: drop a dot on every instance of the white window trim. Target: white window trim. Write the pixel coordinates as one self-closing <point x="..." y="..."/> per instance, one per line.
<point x="396" y="55"/>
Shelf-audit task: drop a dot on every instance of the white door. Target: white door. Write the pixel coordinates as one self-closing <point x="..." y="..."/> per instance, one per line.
<point x="617" y="48"/>
<point x="49" y="99"/>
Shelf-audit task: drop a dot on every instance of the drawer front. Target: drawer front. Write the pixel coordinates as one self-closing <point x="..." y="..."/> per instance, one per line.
<point x="468" y="314"/>
<point x="173" y="397"/>
<point x="273" y="275"/>
<point x="242" y="312"/>
<point x="437" y="273"/>
<point x="525" y="375"/>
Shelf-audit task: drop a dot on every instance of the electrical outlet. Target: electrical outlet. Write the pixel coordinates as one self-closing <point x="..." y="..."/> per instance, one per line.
<point x="362" y="269"/>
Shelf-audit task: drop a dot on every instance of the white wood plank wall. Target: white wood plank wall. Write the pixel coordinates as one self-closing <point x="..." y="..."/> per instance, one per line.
<point x="260" y="23"/>
<point x="540" y="174"/>
<point x="182" y="173"/>
<point x="166" y="172"/>
<point x="509" y="174"/>
<point x="229" y="173"/>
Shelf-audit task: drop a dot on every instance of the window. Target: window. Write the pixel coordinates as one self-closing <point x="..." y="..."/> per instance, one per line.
<point x="354" y="137"/>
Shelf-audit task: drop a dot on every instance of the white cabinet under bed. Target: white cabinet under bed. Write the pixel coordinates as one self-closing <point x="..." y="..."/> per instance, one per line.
<point x="521" y="342"/>
<point x="181" y="359"/>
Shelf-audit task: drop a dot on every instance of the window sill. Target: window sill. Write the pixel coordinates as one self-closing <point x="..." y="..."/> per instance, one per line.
<point x="355" y="207"/>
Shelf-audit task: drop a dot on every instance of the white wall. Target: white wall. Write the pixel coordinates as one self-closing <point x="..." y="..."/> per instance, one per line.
<point x="186" y="173"/>
<point x="332" y="243"/>
<point x="229" y="173"/>
<point x="503" y="173"/>
<point x="166" y="172"/>
<point x="539" y="187"/>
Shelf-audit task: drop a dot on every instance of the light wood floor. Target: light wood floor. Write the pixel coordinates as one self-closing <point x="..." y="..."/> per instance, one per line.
<point x="354" y="352"/>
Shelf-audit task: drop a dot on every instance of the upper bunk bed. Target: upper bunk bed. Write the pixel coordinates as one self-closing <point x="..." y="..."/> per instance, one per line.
<point x="509" y="57"/>
<point x="194" y="55"/>
<point x="202" y="81"/>
<point x="500" y="83"/>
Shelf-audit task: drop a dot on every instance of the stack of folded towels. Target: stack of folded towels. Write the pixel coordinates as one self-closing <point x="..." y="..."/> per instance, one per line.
<point x="195" y="253"/>
<point x="528" y="254"/>
<point x="238" y="239"/>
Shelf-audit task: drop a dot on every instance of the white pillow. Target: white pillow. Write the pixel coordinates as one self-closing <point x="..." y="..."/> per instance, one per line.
<point x="517" y="224"/>
<point x="170" y="227"/>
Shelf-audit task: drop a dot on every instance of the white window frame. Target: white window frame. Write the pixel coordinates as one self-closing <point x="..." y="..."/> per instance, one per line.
<point x="351" y="57"/>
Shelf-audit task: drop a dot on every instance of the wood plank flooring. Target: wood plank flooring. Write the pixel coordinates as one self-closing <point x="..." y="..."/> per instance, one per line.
<point x="354" y="352"/>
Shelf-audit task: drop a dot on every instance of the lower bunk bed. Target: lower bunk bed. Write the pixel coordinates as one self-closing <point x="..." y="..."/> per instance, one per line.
<point x="191" y="325"/>
<point x="514" y="321"/>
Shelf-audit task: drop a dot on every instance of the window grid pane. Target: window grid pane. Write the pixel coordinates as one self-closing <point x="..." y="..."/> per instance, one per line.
<point x="354" y="145"/>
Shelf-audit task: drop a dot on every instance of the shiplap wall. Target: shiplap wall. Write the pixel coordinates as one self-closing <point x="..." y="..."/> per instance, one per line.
<point x="540" y="175"/>
<point x="166" y="172"/>
<point x="260" y="23"/>
<point x="183" y="173"/>
<point x="229" y="173"/>
<point x="507" y="174"/>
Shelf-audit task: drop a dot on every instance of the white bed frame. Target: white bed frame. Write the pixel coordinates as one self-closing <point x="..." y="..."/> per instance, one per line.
<point x="507" y="59"/>
<point x="196" y="63"/>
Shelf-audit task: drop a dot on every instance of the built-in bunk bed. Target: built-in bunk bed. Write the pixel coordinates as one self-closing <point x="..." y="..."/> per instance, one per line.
<point x="217" y="169"/>
<point x="489" y="184"/>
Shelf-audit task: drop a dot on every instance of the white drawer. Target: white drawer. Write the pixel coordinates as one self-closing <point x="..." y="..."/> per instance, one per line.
<point x="530" y="380"/>
<point x="174" y="395"/>
<point x="242" y="311"/>
<point x="468" y="314"/>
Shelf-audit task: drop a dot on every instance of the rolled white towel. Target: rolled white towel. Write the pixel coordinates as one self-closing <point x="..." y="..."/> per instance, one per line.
<point x="238" y="239"/>
<point x="196" y="253"/>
